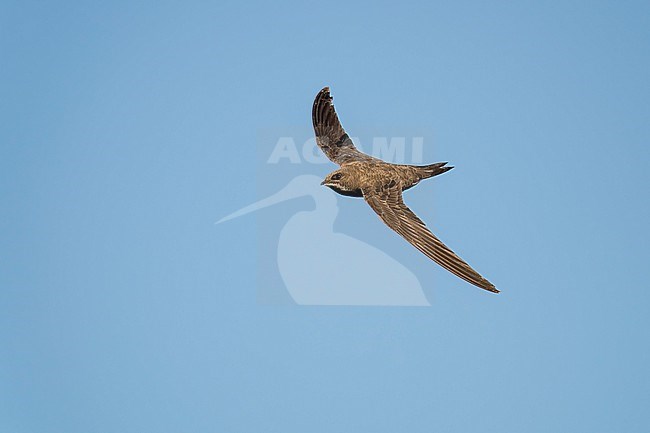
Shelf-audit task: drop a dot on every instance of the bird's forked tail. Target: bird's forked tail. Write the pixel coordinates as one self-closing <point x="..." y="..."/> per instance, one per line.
<point x="431" y="170"/>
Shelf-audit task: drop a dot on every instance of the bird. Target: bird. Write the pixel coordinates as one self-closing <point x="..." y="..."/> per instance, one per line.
<point x="381" y="185"/>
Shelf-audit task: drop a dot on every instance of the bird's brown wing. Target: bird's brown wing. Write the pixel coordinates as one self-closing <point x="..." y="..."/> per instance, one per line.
<point x="388" y="204"/>
<point x="330" y="135"/>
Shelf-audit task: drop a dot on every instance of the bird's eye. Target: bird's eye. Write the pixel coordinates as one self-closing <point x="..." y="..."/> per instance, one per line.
<point x="337" y="176"/>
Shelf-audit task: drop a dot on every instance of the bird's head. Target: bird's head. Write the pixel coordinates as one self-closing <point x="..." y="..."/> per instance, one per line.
<point x="341" y="181"/>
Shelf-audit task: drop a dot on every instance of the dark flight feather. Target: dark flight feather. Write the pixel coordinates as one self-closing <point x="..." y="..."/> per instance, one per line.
<point x="330" y="135"/>
<point x="388" y="204"/>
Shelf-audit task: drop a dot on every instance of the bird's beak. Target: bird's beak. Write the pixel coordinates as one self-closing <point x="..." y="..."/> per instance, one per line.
<point x="324" y="182"/>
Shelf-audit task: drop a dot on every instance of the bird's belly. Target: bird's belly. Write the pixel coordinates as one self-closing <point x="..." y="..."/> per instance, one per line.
<point x="355" y="193"/>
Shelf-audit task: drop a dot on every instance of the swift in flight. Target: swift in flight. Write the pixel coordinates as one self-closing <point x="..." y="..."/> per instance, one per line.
<point x="381" y="185"/>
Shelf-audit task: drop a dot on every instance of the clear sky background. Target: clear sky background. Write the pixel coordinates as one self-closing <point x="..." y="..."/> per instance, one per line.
<point x="129" y="128"/>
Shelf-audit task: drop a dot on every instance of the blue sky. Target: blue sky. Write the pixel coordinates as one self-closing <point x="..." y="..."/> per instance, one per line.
<point x="128" y="130"/>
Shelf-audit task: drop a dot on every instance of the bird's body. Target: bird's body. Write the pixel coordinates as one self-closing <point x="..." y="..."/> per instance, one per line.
<point x="381" y="185"/>
<point x="355" y="176"/>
